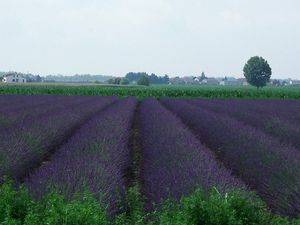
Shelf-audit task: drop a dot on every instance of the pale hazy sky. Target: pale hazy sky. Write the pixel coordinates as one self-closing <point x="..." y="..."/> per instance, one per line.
<point x="171" y="37"/>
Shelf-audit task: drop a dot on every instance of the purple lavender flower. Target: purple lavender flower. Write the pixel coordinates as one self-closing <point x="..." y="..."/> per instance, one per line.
<point x="175" y="163"/>
<point x="260" y="115"/>
<point x="261" y="161"/>
<point x="25" y="145"/>
<point x="95" y="157"/>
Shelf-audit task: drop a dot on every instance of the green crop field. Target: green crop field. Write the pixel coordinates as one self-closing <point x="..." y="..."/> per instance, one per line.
<point x="157" y="91"/>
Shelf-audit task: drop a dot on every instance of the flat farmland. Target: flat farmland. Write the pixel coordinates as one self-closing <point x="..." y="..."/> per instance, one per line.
<point x="154" y="91"/>
<point x="106" y="160"/>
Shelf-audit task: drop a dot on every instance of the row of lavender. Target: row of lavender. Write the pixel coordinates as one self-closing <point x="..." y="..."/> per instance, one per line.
<point x="277" y="118"/>
<point x="25" y="144"/>
<point x="18" y="109"/>
<point x="91" y="149"/>
<point x="95" y="157"/>
<point x="261" y="161"/>
<point x="98" y="160"/>
<point x="175" y="163"/>
<point x="14" y="106"/>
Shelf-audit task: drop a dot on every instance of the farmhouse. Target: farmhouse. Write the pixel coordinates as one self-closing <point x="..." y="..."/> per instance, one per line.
<point x="14" y="78"/>
<point x="210" y="81"/>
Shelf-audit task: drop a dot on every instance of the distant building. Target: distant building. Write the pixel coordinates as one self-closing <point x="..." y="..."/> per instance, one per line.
<point x="14" y="78"/>
<point x="190" y="80"/>
<point x="284" y="82"/>
<point x="242" y="81"/>
<point x="210" y="81"/>
<point x="176" y="81"/>
<point x="293" y="82"/>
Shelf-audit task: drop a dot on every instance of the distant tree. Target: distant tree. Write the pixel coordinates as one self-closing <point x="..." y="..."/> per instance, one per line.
<point x="257" y="71"/>
<point x="153" y="79"/>
<point x="111" y="81"/>
<point x="124" y="81"/>
<point x="166" y="79"/>
<point x="144" y="80"/>
<point x="116" y="80"/>
<point x="38" y="78"/>
<point x="134" y="77"/>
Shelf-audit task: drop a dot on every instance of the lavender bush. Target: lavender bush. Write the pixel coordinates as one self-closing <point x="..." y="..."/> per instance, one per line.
<point x="266" y="165"/>
<point x="95" y="157"/>
<point x="13" y="116"/>
<point x="267" y="120"/>
<point x="287" y="110"/>
<point x="32" y="107"/>
<point x="23" y="147"/>
<point x="175" y="163"/>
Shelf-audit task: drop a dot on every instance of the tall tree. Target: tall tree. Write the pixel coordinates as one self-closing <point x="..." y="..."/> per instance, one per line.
<point x="257" y="71"/>
<point x="134" y="77"/>
<point x="144" y="80"/>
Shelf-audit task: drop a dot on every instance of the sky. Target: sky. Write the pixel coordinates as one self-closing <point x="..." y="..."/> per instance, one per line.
<point x="173" y="37"/>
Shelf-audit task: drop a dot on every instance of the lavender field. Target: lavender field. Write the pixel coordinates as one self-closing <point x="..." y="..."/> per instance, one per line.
<point x="165" y="149"/>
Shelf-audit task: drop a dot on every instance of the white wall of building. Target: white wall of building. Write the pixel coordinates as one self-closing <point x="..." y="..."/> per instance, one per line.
<point x="14" y="79"/>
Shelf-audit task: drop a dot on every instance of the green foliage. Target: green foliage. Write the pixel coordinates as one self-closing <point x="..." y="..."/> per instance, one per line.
<point x="15" y="204"/>
<point x="156" y="91"/>
<point x="124" y="81"/>
<point x="77" y="78"/>
<point x="116" y="80"/>
<point x="134" y="209"/>
<point x="144" y="80"/>
<point x="134" y="77"/>
<point x="257" y="71"/>
<point x="54" y="209"/>
<point x="237" y="208"/>
<point x="17" y="207"/>
<point x="153" y="79"/>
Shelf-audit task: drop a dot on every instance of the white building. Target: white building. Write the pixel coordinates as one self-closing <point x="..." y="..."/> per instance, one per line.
<point x="14" y="78"/>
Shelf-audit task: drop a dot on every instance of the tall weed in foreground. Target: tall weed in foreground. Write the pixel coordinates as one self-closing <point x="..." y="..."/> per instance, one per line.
<point x="237" y="208"/>
<point x="133" y="208"/>
<point x="17" y="207"/>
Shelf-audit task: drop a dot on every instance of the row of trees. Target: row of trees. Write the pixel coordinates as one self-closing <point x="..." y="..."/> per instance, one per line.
<point x="140" y="78"/>
<point x="257" y="72"/>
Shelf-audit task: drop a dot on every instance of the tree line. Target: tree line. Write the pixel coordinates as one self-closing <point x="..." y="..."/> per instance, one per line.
<point x="140" y="78"/>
